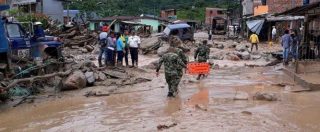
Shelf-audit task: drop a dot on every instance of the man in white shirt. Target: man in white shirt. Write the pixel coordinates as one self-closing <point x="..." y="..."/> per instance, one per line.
<point x="134" y="45"/>
<point x="274" y="33"/>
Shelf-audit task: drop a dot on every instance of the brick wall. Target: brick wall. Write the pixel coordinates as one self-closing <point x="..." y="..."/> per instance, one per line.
<point x="214" y="12"/>
<point x="167" y="13"/>
<point x="277" y="6"/>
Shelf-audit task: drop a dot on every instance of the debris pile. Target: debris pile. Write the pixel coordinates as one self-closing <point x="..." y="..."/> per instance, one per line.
<point x="75" y="39"/>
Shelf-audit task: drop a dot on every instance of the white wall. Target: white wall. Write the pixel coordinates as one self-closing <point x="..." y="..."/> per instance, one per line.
<point x="53" y="9"/>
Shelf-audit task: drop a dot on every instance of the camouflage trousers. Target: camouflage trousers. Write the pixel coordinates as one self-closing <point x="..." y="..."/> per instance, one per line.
<point x="173" y="81"/>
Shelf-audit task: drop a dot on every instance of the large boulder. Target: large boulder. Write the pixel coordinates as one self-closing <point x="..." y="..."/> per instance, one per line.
<point x="218" y="55"/>
<point x="163" y="50"/>
<point x="241" y="48"/>
<point x="77" y="80"/>
<point x="90" y="78"/>
<point x="218" y="46"/>
<point x="100" y="76"/>
<point x="265" y="96"/>
<point x="149" y="42"/>
<point x="245" y="55"/>
<point x="233" y="57"/>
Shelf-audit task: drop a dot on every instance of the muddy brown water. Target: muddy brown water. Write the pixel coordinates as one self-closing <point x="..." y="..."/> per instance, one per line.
<point x="205" y="106"/>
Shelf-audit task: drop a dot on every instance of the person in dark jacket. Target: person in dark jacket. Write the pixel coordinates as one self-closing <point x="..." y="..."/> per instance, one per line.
<point x="295" y="45"/>
<point x="286" y="41"/>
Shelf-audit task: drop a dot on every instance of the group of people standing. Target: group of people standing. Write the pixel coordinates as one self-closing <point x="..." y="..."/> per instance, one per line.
<point x="116" y="48"/>
<point x="290" y="44"/>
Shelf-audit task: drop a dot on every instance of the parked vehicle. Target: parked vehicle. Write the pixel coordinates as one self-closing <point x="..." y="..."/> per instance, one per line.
<point x="24" y="45"/>
<point x="183" y="31"/>
<point x="15" y="41"/>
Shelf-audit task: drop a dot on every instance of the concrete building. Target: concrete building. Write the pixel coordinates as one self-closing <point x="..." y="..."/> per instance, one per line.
<point x="260" y="7"/>
<point x="247" y="7"/>
<point x="212" y="13"/>
<point x="51" y="8"/>
<point x="170" y="14"/>
<point x="154" y="23"/>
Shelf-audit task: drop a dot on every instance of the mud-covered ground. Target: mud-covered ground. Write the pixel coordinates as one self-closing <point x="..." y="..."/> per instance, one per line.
<point x="206" y="105"/>
<point x="224" y="101"/>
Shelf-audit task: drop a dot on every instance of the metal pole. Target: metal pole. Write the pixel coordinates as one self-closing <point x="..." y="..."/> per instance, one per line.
<point x="68" y="15"/>
<point x="240" y="20"/>
<point x="29" y="8"/>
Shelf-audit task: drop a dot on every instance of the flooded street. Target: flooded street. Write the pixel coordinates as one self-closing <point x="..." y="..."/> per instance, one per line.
<point x="207" y="105"/>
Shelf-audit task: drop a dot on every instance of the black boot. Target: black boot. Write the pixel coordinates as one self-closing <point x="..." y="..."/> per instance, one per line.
<point x="170" y="94"/>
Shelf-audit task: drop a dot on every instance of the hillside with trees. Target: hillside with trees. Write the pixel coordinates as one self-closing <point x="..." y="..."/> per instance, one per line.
<point x="187" y="9"/>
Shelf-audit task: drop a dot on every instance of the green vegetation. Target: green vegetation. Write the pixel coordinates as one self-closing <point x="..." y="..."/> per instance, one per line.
<point x="187" y="9"/>
<point x="27" y="17"/>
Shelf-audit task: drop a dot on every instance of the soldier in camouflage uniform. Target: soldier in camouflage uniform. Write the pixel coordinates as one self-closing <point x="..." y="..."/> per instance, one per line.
<point x="202" y="53"/>
<point x="172" y="65"/>
<point x="174" y="42"/>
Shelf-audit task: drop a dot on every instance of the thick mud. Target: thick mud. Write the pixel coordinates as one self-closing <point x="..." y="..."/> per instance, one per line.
<point x="207" y="105"/>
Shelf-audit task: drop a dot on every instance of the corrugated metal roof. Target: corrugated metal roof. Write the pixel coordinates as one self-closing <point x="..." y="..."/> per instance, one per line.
<point x="127" y="18"/>
<point x="255" y="25"/>
<point x="284" y="18"/>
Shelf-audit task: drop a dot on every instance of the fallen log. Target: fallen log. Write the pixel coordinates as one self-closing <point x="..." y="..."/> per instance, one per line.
<point x="32" y="79"/>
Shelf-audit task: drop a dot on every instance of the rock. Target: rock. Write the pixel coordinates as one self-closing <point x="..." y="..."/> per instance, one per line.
<point x="255" y="57"/>
<point x="232" y="46"/>
<point x="220" y="46"/>
<point x="77" y="80"/>
<point x="241" y="48"/>
<point x="97" y="93"/>
<point x="184" y="48"/>
<point x="88" y="63"/>
<point x="101" y="76"/>
<point x="218" y="55"/>
<point x="246" y="112"/>
<point x="89" y="48"/>
<point x="149" y="42"/>
<point x="233" y="57"/>
<point x="75" y="47"/>
<point x="90" y="78"/>
<point x="265" y="96"/>
<point x="241" y="96"/>
<point x="83" y="50"/>
<point x="245" y="55"/>
<point x="163" y="50"/>
<point x="166" y="126"/>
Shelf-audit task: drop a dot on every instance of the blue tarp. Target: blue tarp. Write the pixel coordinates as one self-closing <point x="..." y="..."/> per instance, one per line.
<point x="4" y="7"/>
<point x="4" y="45"/>
<point x="255" y="25"/>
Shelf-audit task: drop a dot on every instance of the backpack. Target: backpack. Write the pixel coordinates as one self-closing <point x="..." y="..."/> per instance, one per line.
<point x="103" y="43"/>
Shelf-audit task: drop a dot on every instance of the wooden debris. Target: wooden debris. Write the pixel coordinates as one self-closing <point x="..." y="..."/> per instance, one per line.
<point x="162" y="127"/>
<point x="36" y="78"/>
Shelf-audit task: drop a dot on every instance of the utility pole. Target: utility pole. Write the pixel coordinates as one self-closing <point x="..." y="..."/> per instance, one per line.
<point x="240" y="20"/>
